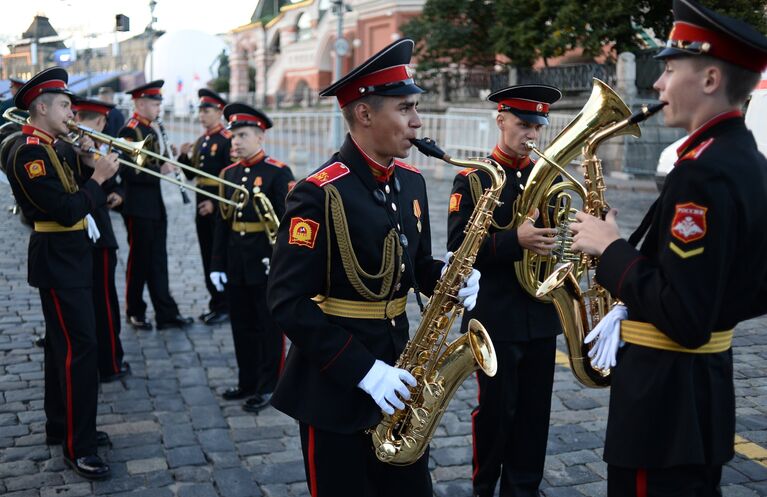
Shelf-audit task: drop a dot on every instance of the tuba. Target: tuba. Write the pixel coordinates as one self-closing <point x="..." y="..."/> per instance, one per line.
<point x="440" y="368"/>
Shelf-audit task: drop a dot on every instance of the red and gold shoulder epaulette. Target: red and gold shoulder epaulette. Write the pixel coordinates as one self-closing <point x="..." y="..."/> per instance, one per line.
<point x="407" y="166"/>
<point x="226" y="133"/>
<point x="467" y="171"/>
<point x="697" y="151"/>
<point x="132" y="123"/>
<point x="33" y="140"/>
<point x="275" y="162"/>
<point x="328" y="174"/>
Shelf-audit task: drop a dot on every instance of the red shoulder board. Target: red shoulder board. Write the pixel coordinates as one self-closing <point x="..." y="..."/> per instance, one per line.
<point x="328" y="174"/>
<point x="33" y="140"/>
<point x="404" y="165"/>
<point x="467" y="171"/>
<point x="274" y="162"/>
<point x="225" y="133"/>
<point x="697" y="151"/>
<point x="132" y="123"/>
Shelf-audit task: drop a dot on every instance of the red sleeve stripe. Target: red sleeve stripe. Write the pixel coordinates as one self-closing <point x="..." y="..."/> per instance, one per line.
<point x="326" y="366"/>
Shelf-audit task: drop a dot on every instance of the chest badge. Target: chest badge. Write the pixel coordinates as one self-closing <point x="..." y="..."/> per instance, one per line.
<point x="213" y="149"/>
<point x="689" y="223"/>
<point x="417" y="214"/>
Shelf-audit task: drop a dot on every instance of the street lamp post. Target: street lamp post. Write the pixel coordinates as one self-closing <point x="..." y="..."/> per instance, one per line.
<point x="150" y="29"/>
<point x="341" y="49"/>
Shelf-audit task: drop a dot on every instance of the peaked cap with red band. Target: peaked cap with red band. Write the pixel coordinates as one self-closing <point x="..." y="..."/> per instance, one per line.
<point x="51" y="80"/>
<point x="701" y="31"/>
<point x="16" y="82"/>
<point x="210" y="98"/>
<point x="238" y="115"/>
<point x="90" y="105"/>
<point x="528" y="102"/>
<point x="152" y="90"/>
<point x="385" y="73"/>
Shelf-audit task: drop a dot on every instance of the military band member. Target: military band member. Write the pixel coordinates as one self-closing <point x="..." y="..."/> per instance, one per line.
<point x="115" y="118"/>
<point x="241" y="254"/>
<point x="60" y="266"/>
<point x="6" y="104"/>
<point x="210" y="153"/>
<point x="93" y="114"/>
<point x="146" y="221"/>
<point x="510" y="425"/>
<point x="354" y="240"/>
<point x="671" y="421"/>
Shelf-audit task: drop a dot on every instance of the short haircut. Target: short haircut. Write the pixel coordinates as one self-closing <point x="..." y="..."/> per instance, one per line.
<point x="739" y="82"/>
<point x="374" y="101"/>
<point x="44" y="98"/>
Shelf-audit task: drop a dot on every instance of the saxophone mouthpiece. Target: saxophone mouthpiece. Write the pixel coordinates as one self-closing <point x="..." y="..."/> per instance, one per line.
<point x="429" y="147"/>
<point x="646" y="112"/>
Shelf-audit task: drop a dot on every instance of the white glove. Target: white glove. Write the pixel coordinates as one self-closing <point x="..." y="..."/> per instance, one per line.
<point x="384" y="382"/>
<point x="607" y="333"/>
<point x="93" y="230"/>
<point x="218" y="279"/>
<point x="467" y="295"/>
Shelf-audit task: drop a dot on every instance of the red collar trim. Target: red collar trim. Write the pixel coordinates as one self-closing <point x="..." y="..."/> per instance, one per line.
<point x="216" y="129"/>
<point x="523" y="104"/>
<point x="507" y="160"/>
<point x="695" y="135"/>
<point x="719" y="45"/>
<point x="30" y="130"/>
<point x="143" y="120"/>
<point x="358" y="88"/>
<point x="380" y="172"/>
<point x="254" y="159"/>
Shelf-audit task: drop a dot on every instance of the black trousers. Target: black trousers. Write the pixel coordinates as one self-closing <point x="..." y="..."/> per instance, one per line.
<point x="679" y="481"/>
<point x="259" y="345"/>
<point x="71" y="370"/>
<point x="107" y="311"/>
<point x="148" y="265"/>
<point x="205" y="226"/>
<point x="510" y="426"/>
<point x="343" y="465"/>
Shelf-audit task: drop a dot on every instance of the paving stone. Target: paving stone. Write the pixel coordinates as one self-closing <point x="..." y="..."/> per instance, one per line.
<point x="139" y="466"/>
<point x="25" y="482"/>
<point x="70" y="490"/>
<point x="185" y="456"/>
<point x="289" y="472"/>
<point x="197" y="490"/>
<point x="236" y="482"/>
<point x="216" y="440"/>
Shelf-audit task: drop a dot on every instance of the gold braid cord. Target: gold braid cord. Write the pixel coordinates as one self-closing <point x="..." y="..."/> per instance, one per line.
<point x="227" y="211"/>
<point x="475" y="185"/>
<point x="65" y="173"/>
<point x="392" y="252"/>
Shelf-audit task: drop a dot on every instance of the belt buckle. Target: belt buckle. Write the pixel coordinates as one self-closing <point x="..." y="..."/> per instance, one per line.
<point x="391" y="311"/>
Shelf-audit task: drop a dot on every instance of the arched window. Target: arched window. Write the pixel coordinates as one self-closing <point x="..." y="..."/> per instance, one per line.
<point x="304" y="27"/>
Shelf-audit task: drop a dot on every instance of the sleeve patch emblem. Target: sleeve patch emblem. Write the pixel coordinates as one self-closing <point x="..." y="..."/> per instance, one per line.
<point x="35" y="168"/>
<point x="303" y="232"/>
<point x="689" y="223"/>
<point x="455" y="202"/>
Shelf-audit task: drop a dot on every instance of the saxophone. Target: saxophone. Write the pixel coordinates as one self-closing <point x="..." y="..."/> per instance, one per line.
<point x="579" y="310"/>
<point x="401" y="438"/>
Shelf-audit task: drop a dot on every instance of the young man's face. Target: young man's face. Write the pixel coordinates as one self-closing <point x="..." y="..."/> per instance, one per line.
<point x="247" y="141"/>
<point x="515" y="132"/>
<point x="209" y="116"/>
<point x="55" y="115"/>
<point x="148" y="108"/>
<point x="395" y="123"/>
<point x="681" y="86"/>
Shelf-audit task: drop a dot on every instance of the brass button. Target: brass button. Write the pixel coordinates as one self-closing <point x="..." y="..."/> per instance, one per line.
<point x="394" y="207"/>
<point x="202" y="157"/>
<point x="242" y="233"/>
<point x="247" y="169"/>
<point x="402" y="268"/>
<point x="239" y="214"/>
<point x="519" y="174"/>
<point x="244" y="179"/>
<point x="242" y="196"/>
<point x="387" y="189"/>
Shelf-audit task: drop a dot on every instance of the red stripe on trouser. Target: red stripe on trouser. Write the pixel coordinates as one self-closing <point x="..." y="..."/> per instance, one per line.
<point x="474" y="444"/>
<point x="282" y="356"/>
<point x="130" y="260"/>
<point x="109" y="311"/>
<point x="312" y="465"/>
<point x="68" y="376"/>
<point x="641" y="483"/>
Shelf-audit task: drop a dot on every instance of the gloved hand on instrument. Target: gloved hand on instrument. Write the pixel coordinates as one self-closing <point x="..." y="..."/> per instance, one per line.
<point x="93" y="231"/>
<point x="607" y="334"/>
<point x="218" y="279"/>
<point x="384" y="382"/>
<point x="467" y="294"/>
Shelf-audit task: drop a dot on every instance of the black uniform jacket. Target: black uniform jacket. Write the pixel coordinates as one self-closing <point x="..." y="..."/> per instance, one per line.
<point x="699" y="270"/>
<point x="210" y="154"/>
<point x="143" y="195"/>
<point x="71" y="159"/>
<point x="240" y="254"/>
<point x="331" y="354"/>
<point x="46" y="191"/>
<point x="506" y="310"/>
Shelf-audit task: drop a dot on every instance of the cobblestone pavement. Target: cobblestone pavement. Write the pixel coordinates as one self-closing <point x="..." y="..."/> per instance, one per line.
<point x="173" y="435"/>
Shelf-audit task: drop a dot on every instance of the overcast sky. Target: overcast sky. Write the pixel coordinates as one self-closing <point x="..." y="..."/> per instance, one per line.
<point x="78" y="18"/>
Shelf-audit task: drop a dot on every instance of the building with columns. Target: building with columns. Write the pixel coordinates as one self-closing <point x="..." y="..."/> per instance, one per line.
<point x="290" y="43"/>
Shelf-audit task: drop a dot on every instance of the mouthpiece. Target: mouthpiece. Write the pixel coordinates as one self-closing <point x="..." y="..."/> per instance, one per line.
<point x="646" y="112"/>
<point x="429" y="147"/>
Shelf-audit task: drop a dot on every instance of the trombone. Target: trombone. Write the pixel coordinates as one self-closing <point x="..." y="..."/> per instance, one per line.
<point x="138" y="153"/>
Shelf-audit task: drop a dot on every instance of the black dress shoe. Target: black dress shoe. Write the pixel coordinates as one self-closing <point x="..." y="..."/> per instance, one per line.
<point x="102" y="439"/>
<point x="90" y="467"/>
<point x="236" y="393"/>
<point x="124" y="371"/>
<point x="139" y="323"/>
<point x="257" y="402"/>
<point x="178" y="321"/>
<point x="39" y="341"/>
<point x="216" y="317"/>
